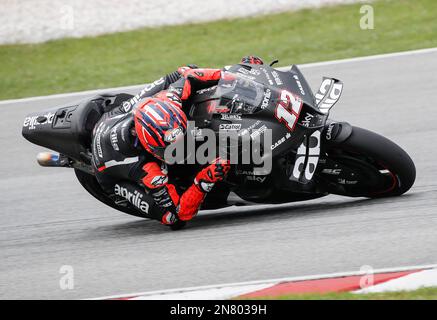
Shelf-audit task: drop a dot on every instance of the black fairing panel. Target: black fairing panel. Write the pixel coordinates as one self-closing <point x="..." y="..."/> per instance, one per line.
<point x="64" y="129"/>
<point x="67" y="129"/>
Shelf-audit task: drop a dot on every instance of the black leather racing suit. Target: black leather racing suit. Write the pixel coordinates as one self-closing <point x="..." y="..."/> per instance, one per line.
<point x="118" y="157"/>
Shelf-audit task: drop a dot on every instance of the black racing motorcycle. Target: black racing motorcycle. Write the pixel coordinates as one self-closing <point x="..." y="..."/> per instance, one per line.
<point x="312" y="156"/>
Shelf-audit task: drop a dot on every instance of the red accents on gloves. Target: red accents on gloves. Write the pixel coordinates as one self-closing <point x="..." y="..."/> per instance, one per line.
<point x="202" y="75"/>
<point x="155" y="177"/>
<point x="197" y="75"/>
<point x="213" y="173"/>
<point x="190" y="203"/>
<point x="192" y="199"/>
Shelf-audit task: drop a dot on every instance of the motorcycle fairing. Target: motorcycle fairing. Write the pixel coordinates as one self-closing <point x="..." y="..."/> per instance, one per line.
<point x="329" y="93"/>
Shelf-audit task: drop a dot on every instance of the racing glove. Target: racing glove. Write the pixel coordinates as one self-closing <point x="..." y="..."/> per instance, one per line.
<point x="215" y="172"/>
<point x="197" y="78"/>
<point x="193" y="197"/>
<point x="163" y="193"/>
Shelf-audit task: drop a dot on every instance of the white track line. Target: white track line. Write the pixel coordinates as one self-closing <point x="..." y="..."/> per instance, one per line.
<point x="267" y="282"/>
<point x="303" y="66"/>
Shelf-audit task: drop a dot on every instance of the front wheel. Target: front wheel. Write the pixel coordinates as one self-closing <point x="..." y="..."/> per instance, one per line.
<point x="367" y="164"/>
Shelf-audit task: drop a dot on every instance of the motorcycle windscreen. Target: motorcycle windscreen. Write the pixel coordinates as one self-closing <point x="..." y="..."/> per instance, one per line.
<point x="233" y="94"/>
<point x="239" y="94"/>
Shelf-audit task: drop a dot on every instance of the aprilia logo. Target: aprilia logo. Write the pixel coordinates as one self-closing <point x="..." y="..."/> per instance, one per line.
<point x="134" y="198"/>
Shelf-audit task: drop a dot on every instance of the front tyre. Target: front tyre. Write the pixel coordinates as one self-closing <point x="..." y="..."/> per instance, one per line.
<point x="367" y="164"/>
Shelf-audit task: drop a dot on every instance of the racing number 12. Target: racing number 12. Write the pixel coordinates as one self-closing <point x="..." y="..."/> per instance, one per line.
<point x="288" y="109"/>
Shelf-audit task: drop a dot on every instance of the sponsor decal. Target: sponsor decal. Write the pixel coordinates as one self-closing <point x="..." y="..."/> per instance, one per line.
<point x="98" y="135"/>
<point x="253" y="72"/>
<point x="268" y="77"/>
<point x="277" y="78"/>
<point x="206" y="90"/>
<point x="173" y="134"/>
<point x="329" y="131"/>
<point x="114" y="139"/>
<point x="246" y="76"/>
<point x="127" y="105"/>
<point x="258" y="132"/>
<point x="266" y="99"/>
<point x="159" y="180"/>
<point x="230" y="127"/>
<point x="244" y="173"/>
<point x="281" y="141"/>
<point x="347" y="182"/>
<point x="32" y="123"/>
<point x="134" y="198"/>
<point x="307" y="120"/>
<point x="259" y="179"/>
<point x="254" y="172"/>
<point x="231" y="116"/>
<point x="249" y="129"/>
<point x="334" y="172"/>
<point x="299" y="84"/>
<point x="307" y="171"/>
<point x="99" y="146"/>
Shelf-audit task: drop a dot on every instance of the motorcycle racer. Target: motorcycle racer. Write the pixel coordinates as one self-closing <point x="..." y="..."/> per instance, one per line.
<point x="151" y="121"/>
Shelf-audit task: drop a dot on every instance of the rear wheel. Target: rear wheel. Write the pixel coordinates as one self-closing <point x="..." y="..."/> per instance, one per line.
<point x="367" y="164"/>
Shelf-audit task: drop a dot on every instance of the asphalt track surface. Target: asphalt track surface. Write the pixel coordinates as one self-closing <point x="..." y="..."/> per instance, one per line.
<point x="47" y="220"/>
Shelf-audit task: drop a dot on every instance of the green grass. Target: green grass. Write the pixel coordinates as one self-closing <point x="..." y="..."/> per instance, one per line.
<point x="143" y="55"/>
<point x="420" y="294"/>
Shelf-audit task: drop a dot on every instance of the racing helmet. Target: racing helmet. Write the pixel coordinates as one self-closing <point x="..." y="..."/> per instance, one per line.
<point x="158" y="124"/>
<point x="252" y="60"/>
